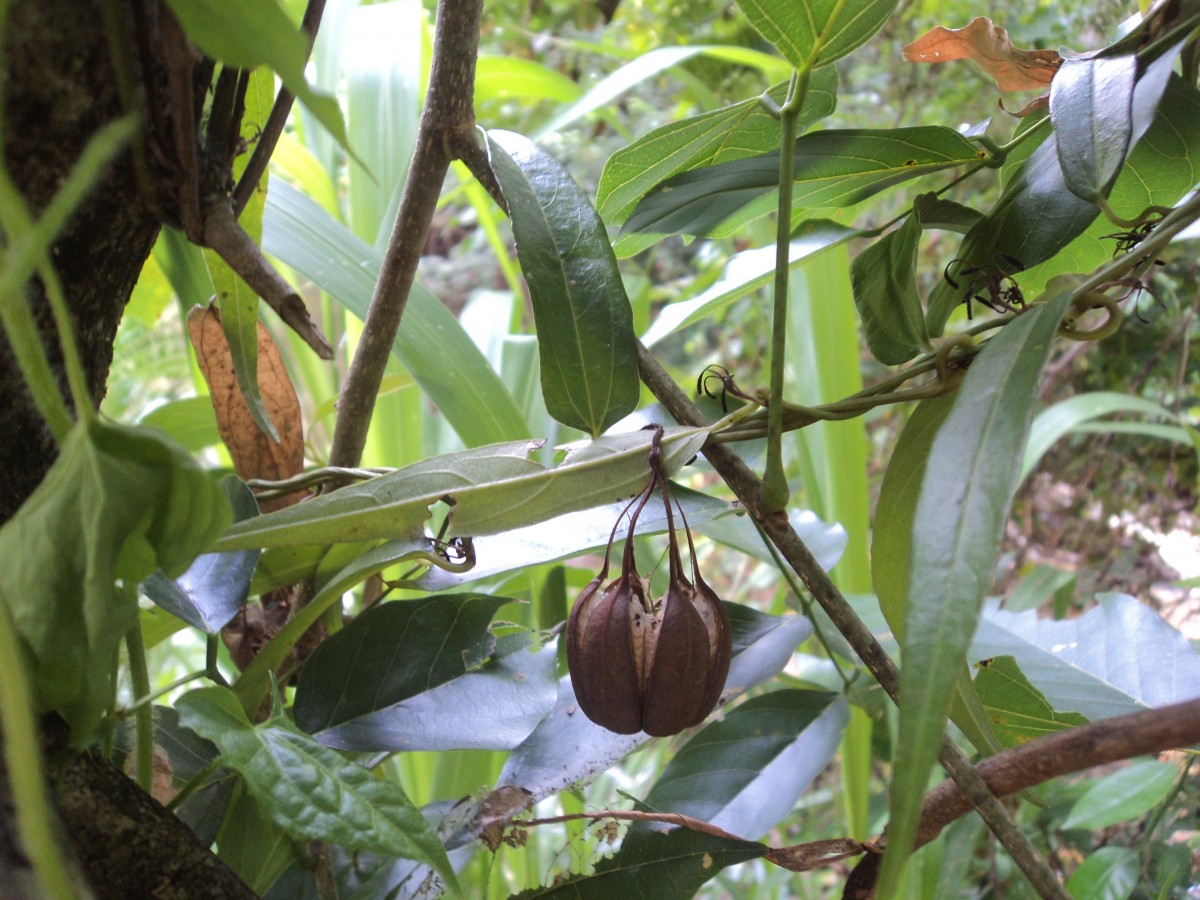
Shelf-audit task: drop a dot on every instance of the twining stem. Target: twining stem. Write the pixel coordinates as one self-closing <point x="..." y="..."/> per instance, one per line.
<point x="774" y="486"/>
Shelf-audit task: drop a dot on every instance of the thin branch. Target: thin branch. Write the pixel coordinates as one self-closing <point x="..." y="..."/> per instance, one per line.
<point x="180" y="59"/>
<point x="276" y="120"/>
<point x="447" y="120"/>
<point x="224" y="235"/>
<point x="746" y="486"/>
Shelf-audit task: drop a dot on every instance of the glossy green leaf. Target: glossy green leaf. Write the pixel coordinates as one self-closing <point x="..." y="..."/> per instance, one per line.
<point x="836" y="167"/>
<point x="746" y="772"/>
<point x="816" y="32"/>
<point x="647" y="66"/>
<point x="668" y="865"/>
<point x="308" y="790"/>
<point x="118" y="503"/>
<point x="1018" y="711"/>
<point x="1059" y="420"/>
<point x="885" y="291"/>
<point x="584" y="323"/>
<point x="496" y="488"/>
<point x="745" y="272"/>
<point x="255" y="33"/>
<point x="1049" y="230"/>
<point x="426" y="675"/>
<point x="214" y="588"/>
<point x="432" y="345"/>
<point x="956" y="530"/>
<point x="1091" y="107"/>
<point x="1119" y="657"/>
<point x="1125" y="794"/>
<point x="567" y="747"/>
<point x="733" y="132"/>
<point x="1110" y="873"/>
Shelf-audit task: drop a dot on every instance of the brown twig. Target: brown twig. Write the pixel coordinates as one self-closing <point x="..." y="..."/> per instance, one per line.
<point x="747" y="487"/>
<point x="276" y="120"/>
<point x="447" y="120"/>
<point x="224" y="235"/>
<point x="180" y="59"/>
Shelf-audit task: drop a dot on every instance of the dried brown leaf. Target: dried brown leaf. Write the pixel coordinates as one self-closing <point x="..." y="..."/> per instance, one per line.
<point x="254" y="454"/>
<point x="987" y="44"/>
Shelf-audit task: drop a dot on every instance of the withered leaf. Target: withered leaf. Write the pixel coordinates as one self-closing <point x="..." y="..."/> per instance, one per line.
<point x="254" y="454"/>
<point x="988" y="45"/>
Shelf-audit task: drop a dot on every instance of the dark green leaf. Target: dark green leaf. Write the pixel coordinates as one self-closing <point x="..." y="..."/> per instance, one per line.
<point x="584" y="322"/>
<point x="1016" y="709"/>
<point x="308" y="790"/>
<point x="257" y="849"/>
<point x="885" y="291"/>
<point x="496" y="488"/>
<point x="408" y="676"/>
<point x="246" y="34"/>
<point x="1110" y="873"/>
<point x="567" y="747"/>
<point x="945" y="214"/>
<point x="816" y="32"/>
<point x="746" y="772"/>
<point x="214" y="588"/>
<point x="1159" y="171"/>
<point x="733" y="132"/>
<point x="1125" y="794"/>
<point x="960" y="515"/>
<point x="1091" y="107"/>
<point x="668" y="865"/>
<point x="833" y="168"/>
<point x="118" y="502"/>
<point x="1119" y="657"/>
<point x="432" y="345"/>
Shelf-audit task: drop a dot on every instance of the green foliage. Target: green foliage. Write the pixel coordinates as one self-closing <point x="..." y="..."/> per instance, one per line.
<point x="1016" y="709"/>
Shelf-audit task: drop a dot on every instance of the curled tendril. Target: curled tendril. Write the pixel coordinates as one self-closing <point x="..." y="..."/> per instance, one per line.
<point x="991" y="283"/>
<point x="1086" y="303"/>
<point x="942" y="362"/>
<point x="725" y="378"/>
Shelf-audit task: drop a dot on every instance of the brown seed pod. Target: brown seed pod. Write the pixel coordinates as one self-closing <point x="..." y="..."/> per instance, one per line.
<point x="640" y="665"/>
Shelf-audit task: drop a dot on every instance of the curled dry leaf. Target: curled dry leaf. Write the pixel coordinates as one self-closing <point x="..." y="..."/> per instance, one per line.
<point x="988" y="45"/>
<point x="254" y="454"/>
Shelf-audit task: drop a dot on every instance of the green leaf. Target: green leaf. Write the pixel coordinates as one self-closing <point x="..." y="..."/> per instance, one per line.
<point x="745" y="272"/>
<point x="963" y="504"/>
<point x="502" y="77"/>
<point x="118" y="503"/>
<point x="1110" y="873"/>
<point x="214" y="588"/>
<point x="253" y="845"/>
<point x="189" y="421"/>
<point x="746" y="772"/>
<point x="1064" y="417"/>
<point x="733" y="132"/>
<point x="1126" y="794"/>
<point x="246" y="34"/>
<point x="885" y="291"/>
<point x="496" y="488"/>
<point x="432" y="345"/>
<point x="834" y="168"/>
<point x="666" y="865"/>
<point x="1016" y="709"/>
<point x="426" y="675"/>
<point x="567" y="747"/>
<point x="567" y="536"/>
<point x="584" y="323"/>
<point x="816" y="32"/>
<point x="945" y="214"/>
<point x="650" y="64"/>
<point x="1091" y="107"/>
<point x="1119" y="657"/>
<point x="308" y="790"/>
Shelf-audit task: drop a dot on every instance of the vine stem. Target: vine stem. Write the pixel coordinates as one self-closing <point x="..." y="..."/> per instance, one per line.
<point x="139" y="674"/>
<point x="774" y="484"/>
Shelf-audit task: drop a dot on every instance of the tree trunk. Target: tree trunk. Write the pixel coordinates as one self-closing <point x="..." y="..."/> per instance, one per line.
<point x="58" y="89"/>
